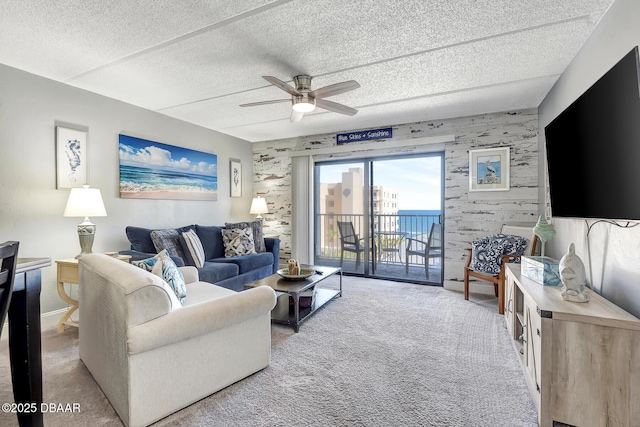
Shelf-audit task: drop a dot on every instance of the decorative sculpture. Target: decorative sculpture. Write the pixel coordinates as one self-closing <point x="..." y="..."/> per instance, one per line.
<point x="294" y="267"/>
<point x="573" y="276"/>
<point x="544" y="231"/>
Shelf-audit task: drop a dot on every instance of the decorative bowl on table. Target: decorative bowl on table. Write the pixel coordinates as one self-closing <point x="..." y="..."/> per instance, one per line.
<point x="304" y="273"/>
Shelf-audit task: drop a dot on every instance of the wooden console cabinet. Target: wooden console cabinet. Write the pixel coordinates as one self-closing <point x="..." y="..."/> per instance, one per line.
<point x="581" y="361"/>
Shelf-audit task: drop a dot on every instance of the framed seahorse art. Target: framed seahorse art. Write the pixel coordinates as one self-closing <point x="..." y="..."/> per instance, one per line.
<point x="235" y="177"/>
<point x="71" y="157"/>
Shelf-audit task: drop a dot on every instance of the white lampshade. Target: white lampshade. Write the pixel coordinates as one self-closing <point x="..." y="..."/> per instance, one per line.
<point x="84" y="202"/>
<point x="258" y="206"/>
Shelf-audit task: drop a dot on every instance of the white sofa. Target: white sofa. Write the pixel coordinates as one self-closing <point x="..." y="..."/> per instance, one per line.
<point x="151" y="356"/>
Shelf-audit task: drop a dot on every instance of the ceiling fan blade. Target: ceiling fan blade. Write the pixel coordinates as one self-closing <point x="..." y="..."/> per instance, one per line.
<point x="296" y="116"/>
<point x="282" y="85"/>
<point x="335" y="107"/>
<point x="334" y="89"/>
<point x="275" y="101"/>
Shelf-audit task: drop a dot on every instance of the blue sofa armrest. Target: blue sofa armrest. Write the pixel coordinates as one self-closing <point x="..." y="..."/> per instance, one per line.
<point x="273" y="246"/>
<point x="137" y="256"/>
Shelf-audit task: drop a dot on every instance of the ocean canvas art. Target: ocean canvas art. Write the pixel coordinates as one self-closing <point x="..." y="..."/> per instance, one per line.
<point x="152" y="170"/>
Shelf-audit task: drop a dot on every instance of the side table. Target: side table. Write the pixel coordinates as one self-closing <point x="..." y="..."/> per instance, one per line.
<point x="68" y="273"/>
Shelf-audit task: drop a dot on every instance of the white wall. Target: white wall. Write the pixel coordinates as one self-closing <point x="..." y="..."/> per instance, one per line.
<point x="467" y="215"/>
<point x="614" y="252"/>
<point x="31" y="207"/>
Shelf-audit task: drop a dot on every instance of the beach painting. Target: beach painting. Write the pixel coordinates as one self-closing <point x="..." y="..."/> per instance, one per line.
<point x="152" y="170"/>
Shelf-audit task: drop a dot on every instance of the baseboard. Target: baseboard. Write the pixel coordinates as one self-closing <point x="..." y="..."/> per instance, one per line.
<point x="48" y="321"/>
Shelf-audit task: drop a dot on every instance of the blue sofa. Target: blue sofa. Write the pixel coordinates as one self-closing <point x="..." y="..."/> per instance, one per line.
<point x="232" y="273"/>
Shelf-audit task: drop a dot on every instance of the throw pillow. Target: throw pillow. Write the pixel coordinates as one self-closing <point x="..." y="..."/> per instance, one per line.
<point x="193" y="248"/>
<point x="168" y="271"/>
<point x="167" y="239"/>
<point x="146" y="264"/>
<point x="486" y="253"/>
<point x="238" y="242"/>
<point x="258" y="235"/>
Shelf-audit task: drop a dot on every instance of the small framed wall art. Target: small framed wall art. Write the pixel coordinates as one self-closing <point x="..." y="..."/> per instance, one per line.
<point x="235" y="177"/>
<point x="489" y="169"/>
<point x="71" y="157"/>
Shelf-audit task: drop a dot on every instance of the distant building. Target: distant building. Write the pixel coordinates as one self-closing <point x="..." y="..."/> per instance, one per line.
<point x="345" y="200"/>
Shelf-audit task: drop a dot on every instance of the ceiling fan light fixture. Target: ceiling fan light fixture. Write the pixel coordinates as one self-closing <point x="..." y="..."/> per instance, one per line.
<point x="303" y="104"/>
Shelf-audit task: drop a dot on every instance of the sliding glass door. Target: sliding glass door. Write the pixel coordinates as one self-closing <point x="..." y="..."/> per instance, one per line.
<point x="381" y="217"/>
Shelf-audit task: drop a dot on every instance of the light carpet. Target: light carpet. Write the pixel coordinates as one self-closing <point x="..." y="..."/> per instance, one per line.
<point x="385" y="354"/>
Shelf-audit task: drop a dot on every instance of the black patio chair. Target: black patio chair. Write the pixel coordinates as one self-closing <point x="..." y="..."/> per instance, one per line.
<point x="350" y="241"/>
<point x="432" y="248"/>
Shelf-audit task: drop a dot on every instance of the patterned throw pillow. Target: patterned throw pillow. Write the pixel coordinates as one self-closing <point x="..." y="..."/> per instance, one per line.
<point x="168" y="271"/>
<point x="193" y="246"/>
<point x="238" y="241"/>
<point x="167" y="239"/>
<point x="486" y="253"/>
<point x="146" y="264"/>
<point x="258" y="235"/>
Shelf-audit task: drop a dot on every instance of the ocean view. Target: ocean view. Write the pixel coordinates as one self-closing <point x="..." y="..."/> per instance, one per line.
<point x="136" y="179"/>
<point x="417" y="222"/>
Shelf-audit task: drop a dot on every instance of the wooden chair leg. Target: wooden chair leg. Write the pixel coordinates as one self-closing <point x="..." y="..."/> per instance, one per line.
<point x="466" y="284"/>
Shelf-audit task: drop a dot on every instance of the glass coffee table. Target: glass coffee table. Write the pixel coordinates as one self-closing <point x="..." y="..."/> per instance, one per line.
<point x="303" y="291"/>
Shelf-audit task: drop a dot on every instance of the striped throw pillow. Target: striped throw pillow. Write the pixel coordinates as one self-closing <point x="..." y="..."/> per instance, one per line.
<point x="194" y="247"/>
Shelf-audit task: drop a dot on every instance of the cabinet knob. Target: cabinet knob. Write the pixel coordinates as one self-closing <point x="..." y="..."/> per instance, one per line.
<point x="522" y="338"/>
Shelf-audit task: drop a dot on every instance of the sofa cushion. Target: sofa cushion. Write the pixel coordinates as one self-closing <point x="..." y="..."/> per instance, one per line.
<point x="140" y="238"/>
<point x="201" y="291"/>
<point x="214" y="272"/>
<point x="167" y="270"/>
<point x="192" y="248"/>
<point x="256" y="228"/>
<point x="238" y="241"/>
<point x="248" y="263"/>
<point x="211" y="238"/>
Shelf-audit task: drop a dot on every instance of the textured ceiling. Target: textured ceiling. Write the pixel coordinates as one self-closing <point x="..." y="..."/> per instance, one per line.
<point x="199" y="60"/>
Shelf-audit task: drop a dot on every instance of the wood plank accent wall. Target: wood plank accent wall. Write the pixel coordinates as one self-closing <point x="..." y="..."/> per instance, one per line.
<point x="467" y="215"/>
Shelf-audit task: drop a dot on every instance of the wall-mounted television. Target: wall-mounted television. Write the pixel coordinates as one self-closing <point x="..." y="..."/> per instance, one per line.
<point x="593" y="148"/>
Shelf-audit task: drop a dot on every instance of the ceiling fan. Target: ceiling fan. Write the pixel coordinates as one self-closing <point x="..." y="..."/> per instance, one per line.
<point x="304" y="100"/>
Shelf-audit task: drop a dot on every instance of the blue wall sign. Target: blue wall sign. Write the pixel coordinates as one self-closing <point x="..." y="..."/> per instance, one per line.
<point x="363" y="135"/>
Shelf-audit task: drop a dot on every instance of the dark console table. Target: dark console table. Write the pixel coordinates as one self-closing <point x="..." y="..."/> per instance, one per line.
<point x="24" y="338"/>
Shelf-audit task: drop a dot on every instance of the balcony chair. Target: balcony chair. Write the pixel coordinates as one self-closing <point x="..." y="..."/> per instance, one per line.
<point x="349" y="241"/>
<point x="487" y="258"/>
<point x="432" y="248"/>
<point x="9" y="257"/>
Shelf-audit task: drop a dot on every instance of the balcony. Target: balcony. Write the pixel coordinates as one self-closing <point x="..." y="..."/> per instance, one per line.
<point x="388" y="237"/>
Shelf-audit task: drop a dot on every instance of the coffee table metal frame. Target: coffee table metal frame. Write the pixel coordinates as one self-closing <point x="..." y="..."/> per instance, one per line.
<point x="295" y="288"/>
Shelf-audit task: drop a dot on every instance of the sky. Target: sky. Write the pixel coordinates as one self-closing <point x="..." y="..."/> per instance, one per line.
<point x="417" y="180"/>
<point x="150" y="154"/>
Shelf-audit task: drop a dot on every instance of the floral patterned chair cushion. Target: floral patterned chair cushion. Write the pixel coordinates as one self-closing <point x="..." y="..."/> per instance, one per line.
<point x="486" y="253"/>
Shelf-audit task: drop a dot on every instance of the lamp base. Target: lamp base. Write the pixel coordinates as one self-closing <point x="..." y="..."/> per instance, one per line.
<point x="86" y="233"/>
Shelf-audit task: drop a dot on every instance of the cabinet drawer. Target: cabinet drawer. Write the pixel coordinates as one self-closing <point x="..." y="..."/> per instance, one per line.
<point x="68" y="274"/>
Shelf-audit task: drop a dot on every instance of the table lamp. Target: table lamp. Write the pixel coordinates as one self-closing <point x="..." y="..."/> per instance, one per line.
<point x="258" y="206"/>
<point x="85" y="202"/>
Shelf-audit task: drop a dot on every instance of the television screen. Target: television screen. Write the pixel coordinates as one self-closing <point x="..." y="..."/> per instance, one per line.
<point x="593" y="148"/>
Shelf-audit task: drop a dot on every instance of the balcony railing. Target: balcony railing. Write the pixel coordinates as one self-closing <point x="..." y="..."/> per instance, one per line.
<point x="389" y="233"/>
